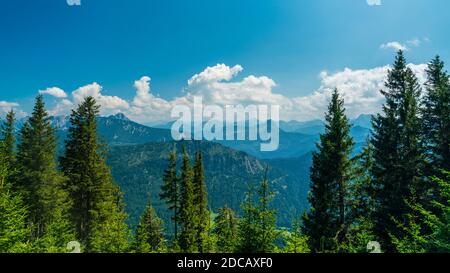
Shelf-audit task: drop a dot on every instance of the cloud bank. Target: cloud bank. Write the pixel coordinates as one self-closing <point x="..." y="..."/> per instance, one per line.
<point x="218" y="85"/>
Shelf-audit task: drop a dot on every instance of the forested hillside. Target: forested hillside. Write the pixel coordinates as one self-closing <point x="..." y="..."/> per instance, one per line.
<point x="228" y="175"/>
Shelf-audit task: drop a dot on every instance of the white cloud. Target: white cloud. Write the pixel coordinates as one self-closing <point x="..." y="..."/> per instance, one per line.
<point x="74" y="2"/>
<point x="394" y="45"/>
<point x="416" y="42"/>
<point x="54" y="91"/>
<point x="109" y="104"/>
<point x="6" y="106"/>
<point x="374" y="2"/>
<point x="217" y="73"/>
<point x="360" y="88"/>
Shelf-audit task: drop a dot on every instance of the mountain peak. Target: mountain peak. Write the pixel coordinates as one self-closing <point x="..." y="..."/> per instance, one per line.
<point x="120" y="116"/>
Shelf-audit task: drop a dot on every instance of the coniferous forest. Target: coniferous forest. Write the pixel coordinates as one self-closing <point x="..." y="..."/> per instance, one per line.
<point x="393" y="196"/>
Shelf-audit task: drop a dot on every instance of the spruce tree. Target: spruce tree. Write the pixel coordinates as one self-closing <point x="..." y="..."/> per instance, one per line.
<point x="170" y="190"/>
<point x="266" y="232"/>
<point x="14" y="231"/>
<point x="436" y="117"/>
<point x="226" y="230"/>
<point x="188" y="217"/>
<point x="97" y="211"/>
<point x="149" y="235"/>
<point x="248" y="225"/>
<point x="40" y="183"/>
<point x="8" y="136"/>
<point x="295" y="240"/>
<point x="325" y="224"/>
<point x="362" y="202"/>
<point x="398" y="153"/>
<point x="201" y="203"/>
<point x="257" y="228"/>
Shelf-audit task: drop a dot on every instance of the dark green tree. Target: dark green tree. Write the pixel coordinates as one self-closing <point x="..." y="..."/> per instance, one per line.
<point x="257" y="228"/>
<point x="97" y="211"/>
<point x="8" y="136"/>
<point x="226" y="230"/>
<point x="398" y="153"/>
<point x="325" y="224"/>
<point x="170" y="190"/>
<point x="201" y="203"/>
<point x="40" y="183"/>
<point x="14" y="231"/>
<point x="188" y="212"/>
<point x="436" y="116"/>
<point x="149" y="235"/>
<point x="361" y="202"/>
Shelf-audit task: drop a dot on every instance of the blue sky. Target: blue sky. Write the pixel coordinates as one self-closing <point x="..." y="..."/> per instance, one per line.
<point x="51" y="44"/>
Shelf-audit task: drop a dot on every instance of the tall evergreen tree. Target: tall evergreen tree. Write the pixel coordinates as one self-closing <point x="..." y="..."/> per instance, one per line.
<point x="149" y="235"/>
<point x="226" y="230"/>
<point x="188" y="216"/>
<point x="362" y="202"/>
<point x="257" y="228"/>
<point x="326" y="224"/>
<point x="170" y="190"/>
<point x="397" y="152"/>
<point x="8" y="136"/>
<point x="97" y="210"/>
<point x="436" y="116"/>
<point x="201" y="203"/>
<point x="14" y="232"/>
<point x="40" y="183"/>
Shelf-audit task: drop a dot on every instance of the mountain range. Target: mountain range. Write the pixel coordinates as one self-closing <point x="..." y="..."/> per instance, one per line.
<point x="138" y="155"/>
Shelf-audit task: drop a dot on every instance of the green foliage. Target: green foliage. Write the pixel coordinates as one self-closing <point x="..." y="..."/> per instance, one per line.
<point x="398" y="152"/>
<point x="149" y="235"/>
<point x="97" y="210"/>
<point x="201" y="203"/>
<point x="325" y="224"/>
<point x="295" y="241"/>
<point x="8" y="137"/>
<point x="226" y="230"/>
<point x="188" y="216"/>
<point x="428" y="230"/>
<point x="170" y="190"/>
<point x="436" y="116"/>
<point x="13" y="215"/>
<point x="257" y="228"/>
<point x="40" y="183"/>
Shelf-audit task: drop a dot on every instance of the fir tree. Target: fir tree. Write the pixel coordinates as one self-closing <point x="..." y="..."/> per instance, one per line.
<point x="257" y="229"/>
<point x="436" y="116"/>
<point x="40" y="183"/>
<point x="295" y="240"/>
<point x="170" y="190"/>
<point x="8" y="136"/>
<point x="398" y="155"/>
<point x="188" y="216"/>
<point x="362" y="203"/>
<point x="201" y="203"/>
<point x="97" y="210"/>
<point x="226" y="230"/>
<point x="149" y="235"/>
<point x="326" y="224"/>
<point x="14" y="232"/>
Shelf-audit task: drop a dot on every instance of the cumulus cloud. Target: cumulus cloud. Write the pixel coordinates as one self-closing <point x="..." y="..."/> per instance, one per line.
<point x="218" y="85"/>
<point x="374" y="2"/>
<point x="416" y="42"/>
<point x="54" y="91"/>
<point x="6" y="106"/>
<point x="394" y="45"/>
<point x="74" y="2"/>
